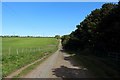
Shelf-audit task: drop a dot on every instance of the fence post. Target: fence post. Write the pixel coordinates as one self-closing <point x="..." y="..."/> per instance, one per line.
<point x="9" y="50"/>
<point x="17" y="51"/>
<point x="34" y="49"/>
<point x="30" y="50"/>
<point x="22" y="50"/>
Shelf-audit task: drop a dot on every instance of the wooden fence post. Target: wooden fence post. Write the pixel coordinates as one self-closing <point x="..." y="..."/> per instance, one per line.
<point x="17" y="51"/>
<point x="9" y="50"/>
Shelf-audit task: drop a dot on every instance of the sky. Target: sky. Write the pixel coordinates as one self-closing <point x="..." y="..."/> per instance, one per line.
<point x="59" y="0"/>
<point x="44" y="18"/>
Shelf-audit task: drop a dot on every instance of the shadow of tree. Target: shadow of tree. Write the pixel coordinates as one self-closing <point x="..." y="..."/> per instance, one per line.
<point x="70" y="59"/>
<point x="74" y="71"/>
<point x="65" y="72"/>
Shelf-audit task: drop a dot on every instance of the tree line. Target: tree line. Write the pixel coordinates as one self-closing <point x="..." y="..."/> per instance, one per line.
<point x="98" y="32"/>
<point x="8" y="36"/>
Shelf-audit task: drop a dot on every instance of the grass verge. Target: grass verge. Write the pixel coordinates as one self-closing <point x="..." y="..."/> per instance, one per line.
<point x="30" y="68"/>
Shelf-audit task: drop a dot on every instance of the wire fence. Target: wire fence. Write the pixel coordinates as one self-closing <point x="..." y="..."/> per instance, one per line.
<point x="23" y="50"/>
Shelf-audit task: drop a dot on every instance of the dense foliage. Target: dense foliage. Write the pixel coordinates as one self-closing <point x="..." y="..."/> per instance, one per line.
<point x="57" y="36"/>
<point x="99" y="31"/>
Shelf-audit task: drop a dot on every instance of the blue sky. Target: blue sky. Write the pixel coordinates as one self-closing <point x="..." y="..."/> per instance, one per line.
<point x="44" y="18"/>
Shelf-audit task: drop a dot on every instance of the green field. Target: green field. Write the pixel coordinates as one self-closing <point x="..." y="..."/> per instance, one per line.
<point x="18" y="52"/>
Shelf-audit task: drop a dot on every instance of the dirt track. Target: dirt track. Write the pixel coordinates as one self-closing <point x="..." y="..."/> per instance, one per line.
<point x="59" y="65"/>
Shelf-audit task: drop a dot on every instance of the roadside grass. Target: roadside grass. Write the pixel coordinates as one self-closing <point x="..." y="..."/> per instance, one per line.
<point x="0" y="57"/>
<point x="32" y="67"/>
<point x="97" y="66"/>
<point x="18" y="52"/>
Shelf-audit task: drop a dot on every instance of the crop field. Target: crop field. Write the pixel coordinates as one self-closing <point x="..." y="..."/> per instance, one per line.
<point x="18" y="52"/>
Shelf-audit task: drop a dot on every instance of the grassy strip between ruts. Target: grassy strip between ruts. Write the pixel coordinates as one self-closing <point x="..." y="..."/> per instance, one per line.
<point x="96" y="66"/>
<point x="30" y="68"/>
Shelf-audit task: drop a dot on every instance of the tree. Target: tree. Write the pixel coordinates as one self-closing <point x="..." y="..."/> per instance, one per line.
<point x="94" y="30"/>
<point x="57" y="36"/>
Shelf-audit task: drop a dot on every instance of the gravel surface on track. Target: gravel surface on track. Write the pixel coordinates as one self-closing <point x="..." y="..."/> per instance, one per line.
<point x="59" y="65"/>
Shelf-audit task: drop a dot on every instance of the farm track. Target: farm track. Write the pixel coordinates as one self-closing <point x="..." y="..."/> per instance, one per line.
<point x="23" y="68"/>
<point x="59" y="65"/>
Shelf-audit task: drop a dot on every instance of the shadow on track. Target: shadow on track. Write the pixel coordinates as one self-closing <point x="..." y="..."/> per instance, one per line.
<point x="73" y="71"/>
